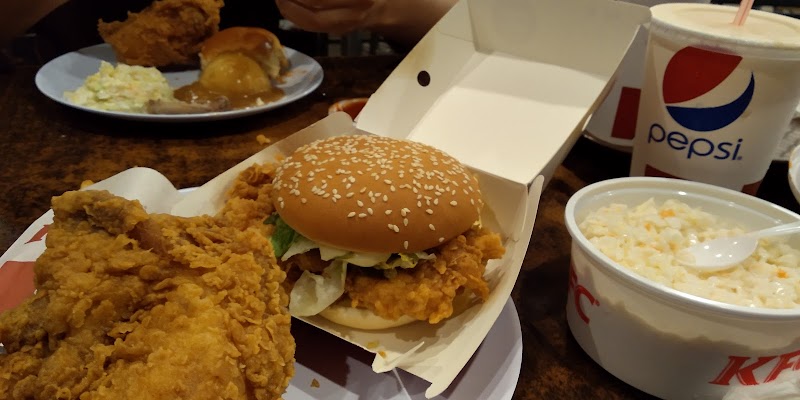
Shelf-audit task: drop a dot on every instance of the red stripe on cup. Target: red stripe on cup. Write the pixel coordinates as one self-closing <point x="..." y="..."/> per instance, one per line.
<point x="627" y="113"/>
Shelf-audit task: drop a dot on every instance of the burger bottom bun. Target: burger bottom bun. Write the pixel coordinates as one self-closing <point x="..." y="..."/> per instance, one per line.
<point x="360" y="318"/>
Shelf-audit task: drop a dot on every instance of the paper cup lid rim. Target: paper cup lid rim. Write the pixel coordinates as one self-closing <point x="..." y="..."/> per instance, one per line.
<point x="789" y="48"/>
<point x="652" y="288"/>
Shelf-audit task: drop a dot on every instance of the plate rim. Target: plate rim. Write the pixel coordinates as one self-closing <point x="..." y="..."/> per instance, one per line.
<point x="313" y="84"/>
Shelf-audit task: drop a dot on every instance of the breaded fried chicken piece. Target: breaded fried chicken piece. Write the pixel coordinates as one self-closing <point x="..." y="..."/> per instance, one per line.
<point x="166" y="33"/>
<point x="427" y="291"/>
<point x="138" y="306"/>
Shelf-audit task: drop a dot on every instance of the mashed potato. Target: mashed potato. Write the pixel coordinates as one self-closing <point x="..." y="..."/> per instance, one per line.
<point x="646" y="239"/>
<point x="122" y="88"/>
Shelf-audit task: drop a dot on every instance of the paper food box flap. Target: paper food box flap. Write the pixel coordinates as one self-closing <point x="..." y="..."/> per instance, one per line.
<point x="506" y="85"/>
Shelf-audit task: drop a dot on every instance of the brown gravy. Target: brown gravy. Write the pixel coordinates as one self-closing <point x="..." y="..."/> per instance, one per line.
<point x="197" y="93"/>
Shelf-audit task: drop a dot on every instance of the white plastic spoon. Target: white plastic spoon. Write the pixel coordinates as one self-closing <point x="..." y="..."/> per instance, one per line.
<point x="723" y="253"/>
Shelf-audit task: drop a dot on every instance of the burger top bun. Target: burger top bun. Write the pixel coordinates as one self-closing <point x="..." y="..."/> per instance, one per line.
<point x="258" y="44"/>
<point x="360" y="318"/>
<point x="375" y="194"/>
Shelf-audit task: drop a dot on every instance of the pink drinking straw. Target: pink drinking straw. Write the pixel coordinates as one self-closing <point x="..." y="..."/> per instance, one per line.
<point x="744" y="10"/>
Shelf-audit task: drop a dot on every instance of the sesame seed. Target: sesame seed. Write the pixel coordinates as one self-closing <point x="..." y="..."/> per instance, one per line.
<point x="303" y="200"/>
<point x="362" y="215"/>
<point x="396" y="229"/>
<point x="405" y="221"/>
<point x="360" y="203"/>
<point x="429" y="211"/>
<point x="419" y="204"/>
<point x="405" y="244"/>
<point x="391" y="227"/>
<point x="441" y="239"/>
<point x="433" y="228"/>
<point x="352" y="214"/>
<point x="369" y="210"/>
<point x="453" y="203"/>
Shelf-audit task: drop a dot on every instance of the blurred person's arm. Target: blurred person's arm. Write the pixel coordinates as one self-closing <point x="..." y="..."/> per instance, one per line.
<point x="20" y="15"/>
<point x="400" y="21"/>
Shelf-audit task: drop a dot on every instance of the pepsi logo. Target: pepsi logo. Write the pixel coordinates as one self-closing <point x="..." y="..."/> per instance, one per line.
<point x="693" y="72"/>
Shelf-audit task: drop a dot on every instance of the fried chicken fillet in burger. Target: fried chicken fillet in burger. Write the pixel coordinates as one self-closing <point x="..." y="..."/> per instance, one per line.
<point x="377" y="232"/>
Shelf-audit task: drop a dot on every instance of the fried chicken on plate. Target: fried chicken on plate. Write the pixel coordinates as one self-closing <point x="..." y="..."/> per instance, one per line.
<point x="137" y="306"/>
<point x="166" y="33"/>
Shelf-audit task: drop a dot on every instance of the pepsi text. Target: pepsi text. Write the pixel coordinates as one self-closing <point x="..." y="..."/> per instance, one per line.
<point x="694" y="147"/>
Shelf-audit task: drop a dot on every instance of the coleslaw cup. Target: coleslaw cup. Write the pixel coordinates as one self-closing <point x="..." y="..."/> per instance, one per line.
<point x="665" y="342"/>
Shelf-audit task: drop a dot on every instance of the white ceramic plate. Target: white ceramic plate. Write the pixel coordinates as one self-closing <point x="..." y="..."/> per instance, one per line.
<point x="343" y="371"/>
<point x="67" y="72"/>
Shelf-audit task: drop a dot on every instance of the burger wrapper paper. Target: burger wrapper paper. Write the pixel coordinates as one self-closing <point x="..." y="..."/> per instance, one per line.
<point x="435" y="353"/>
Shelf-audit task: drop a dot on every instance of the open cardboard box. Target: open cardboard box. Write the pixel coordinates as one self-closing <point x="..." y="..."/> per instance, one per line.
<point x="512" y="83"/>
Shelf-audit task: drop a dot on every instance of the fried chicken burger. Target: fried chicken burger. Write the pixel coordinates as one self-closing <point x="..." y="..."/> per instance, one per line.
<point x="377" y="232"/>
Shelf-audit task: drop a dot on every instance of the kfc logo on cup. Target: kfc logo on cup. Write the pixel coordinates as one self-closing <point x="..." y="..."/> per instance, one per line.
<point x="692" y="83"/>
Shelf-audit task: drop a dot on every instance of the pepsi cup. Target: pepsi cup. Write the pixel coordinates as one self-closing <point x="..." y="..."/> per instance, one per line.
<point x="717" y="98"/>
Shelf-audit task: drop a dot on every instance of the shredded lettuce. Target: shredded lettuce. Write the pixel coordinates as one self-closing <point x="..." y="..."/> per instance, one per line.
<point x="283" y="236"/>
<point x="313" y="293"/>
<point x="329" y="253"/>
<point x="287" y="243"/>
<point x="300" y="245"/>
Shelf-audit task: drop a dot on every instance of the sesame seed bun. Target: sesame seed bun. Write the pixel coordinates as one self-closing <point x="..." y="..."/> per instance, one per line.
<point x="375" y="194"/>
<point x="360" y="318"/>
<point x="258" y="44"/>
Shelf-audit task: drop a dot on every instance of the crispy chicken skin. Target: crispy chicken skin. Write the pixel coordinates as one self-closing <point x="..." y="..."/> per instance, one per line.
<point x="166" y="33"/>
<point x="425" y="292"/>
<point x="137" y="306"/>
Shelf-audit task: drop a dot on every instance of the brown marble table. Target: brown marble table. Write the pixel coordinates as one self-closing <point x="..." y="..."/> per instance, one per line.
<point x="47" y="149"/>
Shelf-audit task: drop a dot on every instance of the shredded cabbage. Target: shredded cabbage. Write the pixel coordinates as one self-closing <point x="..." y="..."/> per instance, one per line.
<point x="313" y="293"/>
<point x="287" y="243"/>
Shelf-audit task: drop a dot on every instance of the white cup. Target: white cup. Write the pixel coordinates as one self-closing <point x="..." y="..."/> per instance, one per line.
<point x="716" y="97"/>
